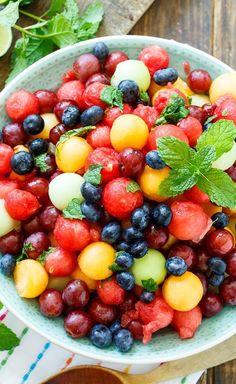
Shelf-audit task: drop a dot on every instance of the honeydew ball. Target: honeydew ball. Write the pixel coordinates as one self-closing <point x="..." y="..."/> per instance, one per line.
<point x="199" y="100"/>
<point x="151" y="266"/>
<point x="7" y="223"/>
<point x="65" y="187"/>
<point x="134" y="70"/>
<point x="226" y="160"/>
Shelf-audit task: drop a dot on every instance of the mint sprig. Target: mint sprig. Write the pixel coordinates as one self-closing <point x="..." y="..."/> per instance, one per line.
<point x="174" y="111"/>
<point x="150" y="285"/>
<point x="133" y="187"/>
<point x="24" y="252"/>
<point x="112" y="96"/>
<point x="93" y="175"/>
<point x="75" y="132"/>
<point x="40" y="162"/>
<point x="73" y="210"/>
<point x="191" y="167"/>
<point x="8" y="338"/>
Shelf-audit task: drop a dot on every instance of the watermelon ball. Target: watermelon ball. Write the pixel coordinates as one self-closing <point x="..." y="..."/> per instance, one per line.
<point x="110" y="292"/>
<point x="118" y="200"/>
<point x="154" y="57"/>
<point x="72" y="235"/>
<point x="21" y="104"/>
<point x="186" y="323"/>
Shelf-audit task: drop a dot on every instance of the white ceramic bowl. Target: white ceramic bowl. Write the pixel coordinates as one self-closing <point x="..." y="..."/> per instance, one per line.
<point x="47" y="73"/>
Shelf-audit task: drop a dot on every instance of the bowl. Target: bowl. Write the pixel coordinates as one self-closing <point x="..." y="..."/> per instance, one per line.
<point x="165" y="345"/>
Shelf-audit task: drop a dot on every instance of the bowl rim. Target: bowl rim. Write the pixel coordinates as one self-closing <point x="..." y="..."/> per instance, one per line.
<point x="123" y="359"/>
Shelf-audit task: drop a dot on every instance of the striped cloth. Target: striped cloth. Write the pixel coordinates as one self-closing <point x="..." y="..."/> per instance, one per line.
<point x="33" y="361"/>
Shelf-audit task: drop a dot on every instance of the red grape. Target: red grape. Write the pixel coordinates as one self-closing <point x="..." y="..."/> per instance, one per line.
<point x="203" y="279"/>
<point x="231" y="263"/>
<point x="197" y="113"/>
<point x="220" y="242"/>
<point x="47" y="100"/>
<point x="51" y="163"/>
<point x="129" y="302"/>
<point x="76" y="294"/>
<point x="39" y="242"/>
<point x="112" y="60"/>
<point x="199" y="81"/>
<point x="50" y="303"/>
<point x="49" y="217"/>
<point x="61" y="106"/>
<point x="156" y="237"/>
<point x="13" y="134"/>
<point x="77" y="324"/>
<point x="32" y="225"/>
<point x="202" y="260"/>
<point x="136" y="328"/>
<point x="184" y="251"/>
<point x="131" y="162"/>
<point x="228" y="291"/>
<point x="209" y="109"/>
<point x="38" y="186"/>
<point x="85" y="66"/>
<point x="211" y="304"/>
<point x="232" y="172"/>
<point x="11" y="243"/>
<point x="102" y="313"/>
<point x="56" y="132"/>
<point x="98" y="77"/>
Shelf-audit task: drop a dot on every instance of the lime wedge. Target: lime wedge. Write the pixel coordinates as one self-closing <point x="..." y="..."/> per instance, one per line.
<point x="5" y="39"/>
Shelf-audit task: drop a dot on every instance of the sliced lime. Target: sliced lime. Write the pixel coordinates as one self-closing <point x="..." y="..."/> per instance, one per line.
<point x="5" y="39"/>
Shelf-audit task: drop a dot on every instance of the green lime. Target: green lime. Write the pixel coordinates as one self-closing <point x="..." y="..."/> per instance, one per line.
<point x="5" y="39"/>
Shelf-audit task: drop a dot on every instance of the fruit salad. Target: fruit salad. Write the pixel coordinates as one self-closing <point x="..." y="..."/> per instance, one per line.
<point x="118" y="197"/>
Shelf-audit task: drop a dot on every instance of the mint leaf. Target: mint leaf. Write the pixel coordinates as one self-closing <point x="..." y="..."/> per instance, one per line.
<point x="55" y="7"/>
<point x="225" y="112"/>
<point x="8" y="338"/>
<point x="93" y="175"/>
<point x="112" y="96"/>
<point x="75" y="132"/>
<point x="220" y="135"/>
<point x="174" y="111"/>
<point x="73" y="211"/>
<point x="42" y="258"/>
<point x="175" y="152"/>
<point x="133" y="187"/>
<point x="9" y="14"/>
<point x="89" y="21"/>
<point x="114" y="267"/>
<point x="1" y="306"/>
<point x="150" y="285"/>
<point x="61" y="28"/>
<point x="24" y="253"/>
<point x="204" y="158"/>
<point x="71" y="12"/>
<point x="144" y="96"/>
<point x="177" y="182"/>
<point x="219" y="186"/>
<point x="40" y="162"/>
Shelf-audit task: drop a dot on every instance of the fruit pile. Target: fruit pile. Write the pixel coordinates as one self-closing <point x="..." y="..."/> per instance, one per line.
<point x="117" y="198"/>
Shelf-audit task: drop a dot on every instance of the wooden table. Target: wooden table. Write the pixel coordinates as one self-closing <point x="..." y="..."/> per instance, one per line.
<point x="209" y="25"/>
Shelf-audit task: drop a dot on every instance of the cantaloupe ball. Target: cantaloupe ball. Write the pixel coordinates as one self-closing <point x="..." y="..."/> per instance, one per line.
<point x="7" y="223"/>
<point x="78" y="274"/>
<point x="30" y="278"/>
<point x="150" y="181"/>
<point x="134" y="70"/>
<point x="179" y="84"/>
<point x="50" y="121"/>
<point x="72" y="155"/>
<point x="58" y="282"/>
<point x="222" y="85"/>
<point x="65" y="187"/>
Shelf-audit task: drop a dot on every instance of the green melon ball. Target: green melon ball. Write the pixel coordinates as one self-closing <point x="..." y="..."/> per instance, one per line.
<point x="151" y="266"/>
<point x="134" y="70"/>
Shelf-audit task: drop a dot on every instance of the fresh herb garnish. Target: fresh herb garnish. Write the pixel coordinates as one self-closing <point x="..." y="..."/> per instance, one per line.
<point x="8" y="338"/>
<point x="40" y="162"/>
<point x="75" y="132"/>
<point x="174" y="111"/>
<point x="73" y="210"/>
<point x="93" y="175"/>
<point x="112" y="96"/>
<point x="24" y="254"/>
<point x="61" y="25"/>
<point x="114" y="267"/>
<point x="144" y="96"/>
<point x="44" y="254"/>
<point x="133" y="187"/>
<point x="196" y="167"/>
<point x="150" y="285"/>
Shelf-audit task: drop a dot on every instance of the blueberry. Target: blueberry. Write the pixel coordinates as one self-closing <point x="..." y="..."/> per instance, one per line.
<point x="132" y="233"/>
<point x="70" y="116"/>
<point x="91" y="211"/>
<point x="115" y="327"/>
<point x="123" y="340"/>
<point x="147" y="297"/>
<point x="90" y="192"/>
<point x="125" y="280"/>
<point x="140" y="218"/>
<point x="111" y="232"/>
<point x="146" y="207"/>
<point x="161" y="214"/>
<point x="130" y="90"/>
<point x="92" y="115"/>
<point x="154" y="161"/>
<point x="33" y="124"/>
<point x="7" y="264"/>
<point x="124" y="260"/>
<point x="101" y="336"/>
<point x="139" y="248"/>
<point x="100" y="50"/>
<point x="123" y="246"/>
<point x="220" y="220"/>
<point x="176" y="266"/>
<point x="216" y="280"/>
<point x="217" y="265"/>
<point x="206" y="126"/>
<point x="38" y="146"/>
<point x="22" y="163"/>
<point x="165" y="76"/>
